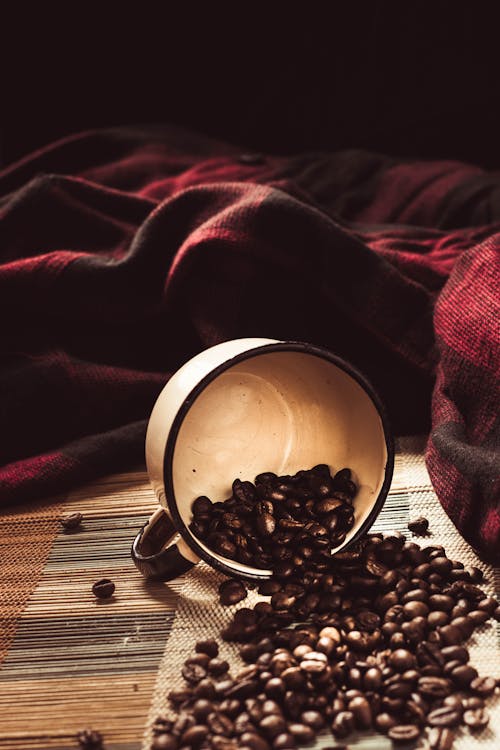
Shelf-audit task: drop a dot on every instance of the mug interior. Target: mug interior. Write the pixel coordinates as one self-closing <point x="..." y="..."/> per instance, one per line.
<point x="280" y="410"/>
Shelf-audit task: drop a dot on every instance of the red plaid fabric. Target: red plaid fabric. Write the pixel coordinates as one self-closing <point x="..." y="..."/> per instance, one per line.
<point x="126" y="251"/>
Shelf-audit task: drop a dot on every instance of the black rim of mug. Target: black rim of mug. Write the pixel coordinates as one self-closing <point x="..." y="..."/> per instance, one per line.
<point x="297" y="346"/>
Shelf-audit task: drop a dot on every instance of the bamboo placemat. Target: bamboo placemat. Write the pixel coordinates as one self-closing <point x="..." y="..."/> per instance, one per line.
<point x="71" y="661"/>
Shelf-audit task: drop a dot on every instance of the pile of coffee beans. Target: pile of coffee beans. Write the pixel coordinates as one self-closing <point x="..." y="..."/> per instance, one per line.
<point x="370" y="639"/>
<point x="280" y="522"/>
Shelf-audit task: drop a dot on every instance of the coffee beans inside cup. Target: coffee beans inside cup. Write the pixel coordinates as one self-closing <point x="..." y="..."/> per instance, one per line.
<point x="279" y="522"/>
<point x="371" y="638"/>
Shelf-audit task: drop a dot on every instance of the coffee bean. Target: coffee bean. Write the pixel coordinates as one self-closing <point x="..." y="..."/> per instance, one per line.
<point x="477" y="718"/>
<point x="419" y="526"/>
<point x="254" y="740"/>
<point x="483" y="686"/>
<point x="361" y="710"/>
<point x="195" y="735"/>
<point x="90" y="739"/>
<point x="404" y="733"/>
<point x="103" y="589"/>
<point x="202" y="506"/>
<point x="441" y="738"/>
<point x="472" y="702"/>
<point x="217" y="667"/>
<point x="208" y="647"/>
<point x="463" y="675"/>
<point x="434" y="687"/>
<point x="303" y="734"/>
<point x="165" y="742"/>
<point x="343" y="724"/>
<point x="193" y="673"/>
<point x="272" y="725"/>
<point x="455" y="653"/>
<point x="72" y="521"/>
<point x="284" y="741"/>
<point x="232" y="592"/>
<point x="445" y="716"/>
<point x="401" y="660"/>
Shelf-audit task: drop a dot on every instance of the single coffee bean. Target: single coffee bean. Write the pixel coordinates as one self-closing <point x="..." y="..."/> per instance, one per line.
<point x="478" y="617"/>
<point x="194" y="736"/>
<point x="455" y="653"/>
<point x="103" y="589"/>
<point x="232" y="592"/>
<point x="284" y="741"/>
<point x="272" y="725"/>
<point x="419" y="526"/>
<point x="202" y="506"/>
<point x="445" y="716"/>
<point x="165" y="742"/>
<point x="253" y="740"/>
<point x="90" y="739"/>
<point x="208" y="647"/>
<point x="463" y="675"/>
<point x="217" y="667"/>
<point x="401" y="660"/>
<point x="476" y="719"/>
<point x="361" y="710"/>
<point x="201" y="708"/>
<point x="193" y="673"/>
<point x="303" y="733"/>
<point x="483" y="686"/>
<point x="343" y="725"/>
<point x="404" y="733"/>
<point x="441" y="738"/>
<point x="384" y="722"/>
<point x="72" y="521"/>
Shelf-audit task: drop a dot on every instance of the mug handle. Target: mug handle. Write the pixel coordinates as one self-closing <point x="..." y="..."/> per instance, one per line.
<point x="158" y="550"/>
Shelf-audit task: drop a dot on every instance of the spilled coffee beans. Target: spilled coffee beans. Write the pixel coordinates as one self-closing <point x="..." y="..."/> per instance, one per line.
<point x="371" y="638"/>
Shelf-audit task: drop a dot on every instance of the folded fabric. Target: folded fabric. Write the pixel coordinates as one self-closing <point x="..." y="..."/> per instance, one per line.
<point x="126" y="251"/>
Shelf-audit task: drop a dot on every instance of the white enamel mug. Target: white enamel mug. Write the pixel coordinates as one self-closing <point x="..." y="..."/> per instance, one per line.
<point x="248" y="406"/>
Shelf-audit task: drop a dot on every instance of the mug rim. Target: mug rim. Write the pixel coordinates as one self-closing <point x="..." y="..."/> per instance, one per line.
<point x="297" y="346"/>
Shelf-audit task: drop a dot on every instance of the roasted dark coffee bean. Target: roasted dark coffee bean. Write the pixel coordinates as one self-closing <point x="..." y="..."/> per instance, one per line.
<point x="90" y="739"/>
<point x="472" y="702"/>
<point x="463" y="675"/>
<point x="303" y="734"/>
<point x="193" y="673"/>
<point x="451" y="635"/>
<point x="455" y="653"/>
<point x="208" y="647"/>
<point x="217" y="667"/>
<point x="284" y="741"/>
<point x="194" y="736"/>
<point x="361" y="710"/>
<point x="343" y="725"/>
<point x="103" y="589"/>
<point x="401" y="660"/>
<point x="478" y="616"/>
<point x="483" y="686"/>
<point x="272" y="725"/>
<point x="384" y="722"/>
<point x="313" y="719"/>
<point x="445" y="716"/>
<point x="434" y="687"/>
<point x="232" y="592"/>
<point x="202" y="708"/>
<point x="202" y="506"/>
<point x="419" y="526"/>
<point x="219" y="723"/>
<point x="165" y="742"/>
<point x="476" y="719"/>
<point x="204" y="689"/>
<point x="72" y="521"/>
<point x="404" y="733"/>
<point x="441" y="738"/>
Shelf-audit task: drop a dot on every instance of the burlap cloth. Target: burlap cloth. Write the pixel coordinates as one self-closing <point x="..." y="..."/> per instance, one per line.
<point x="198" y="614"/>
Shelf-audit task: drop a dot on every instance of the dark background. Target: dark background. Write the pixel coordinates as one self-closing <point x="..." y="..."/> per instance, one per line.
<point x="407" y="78"/>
